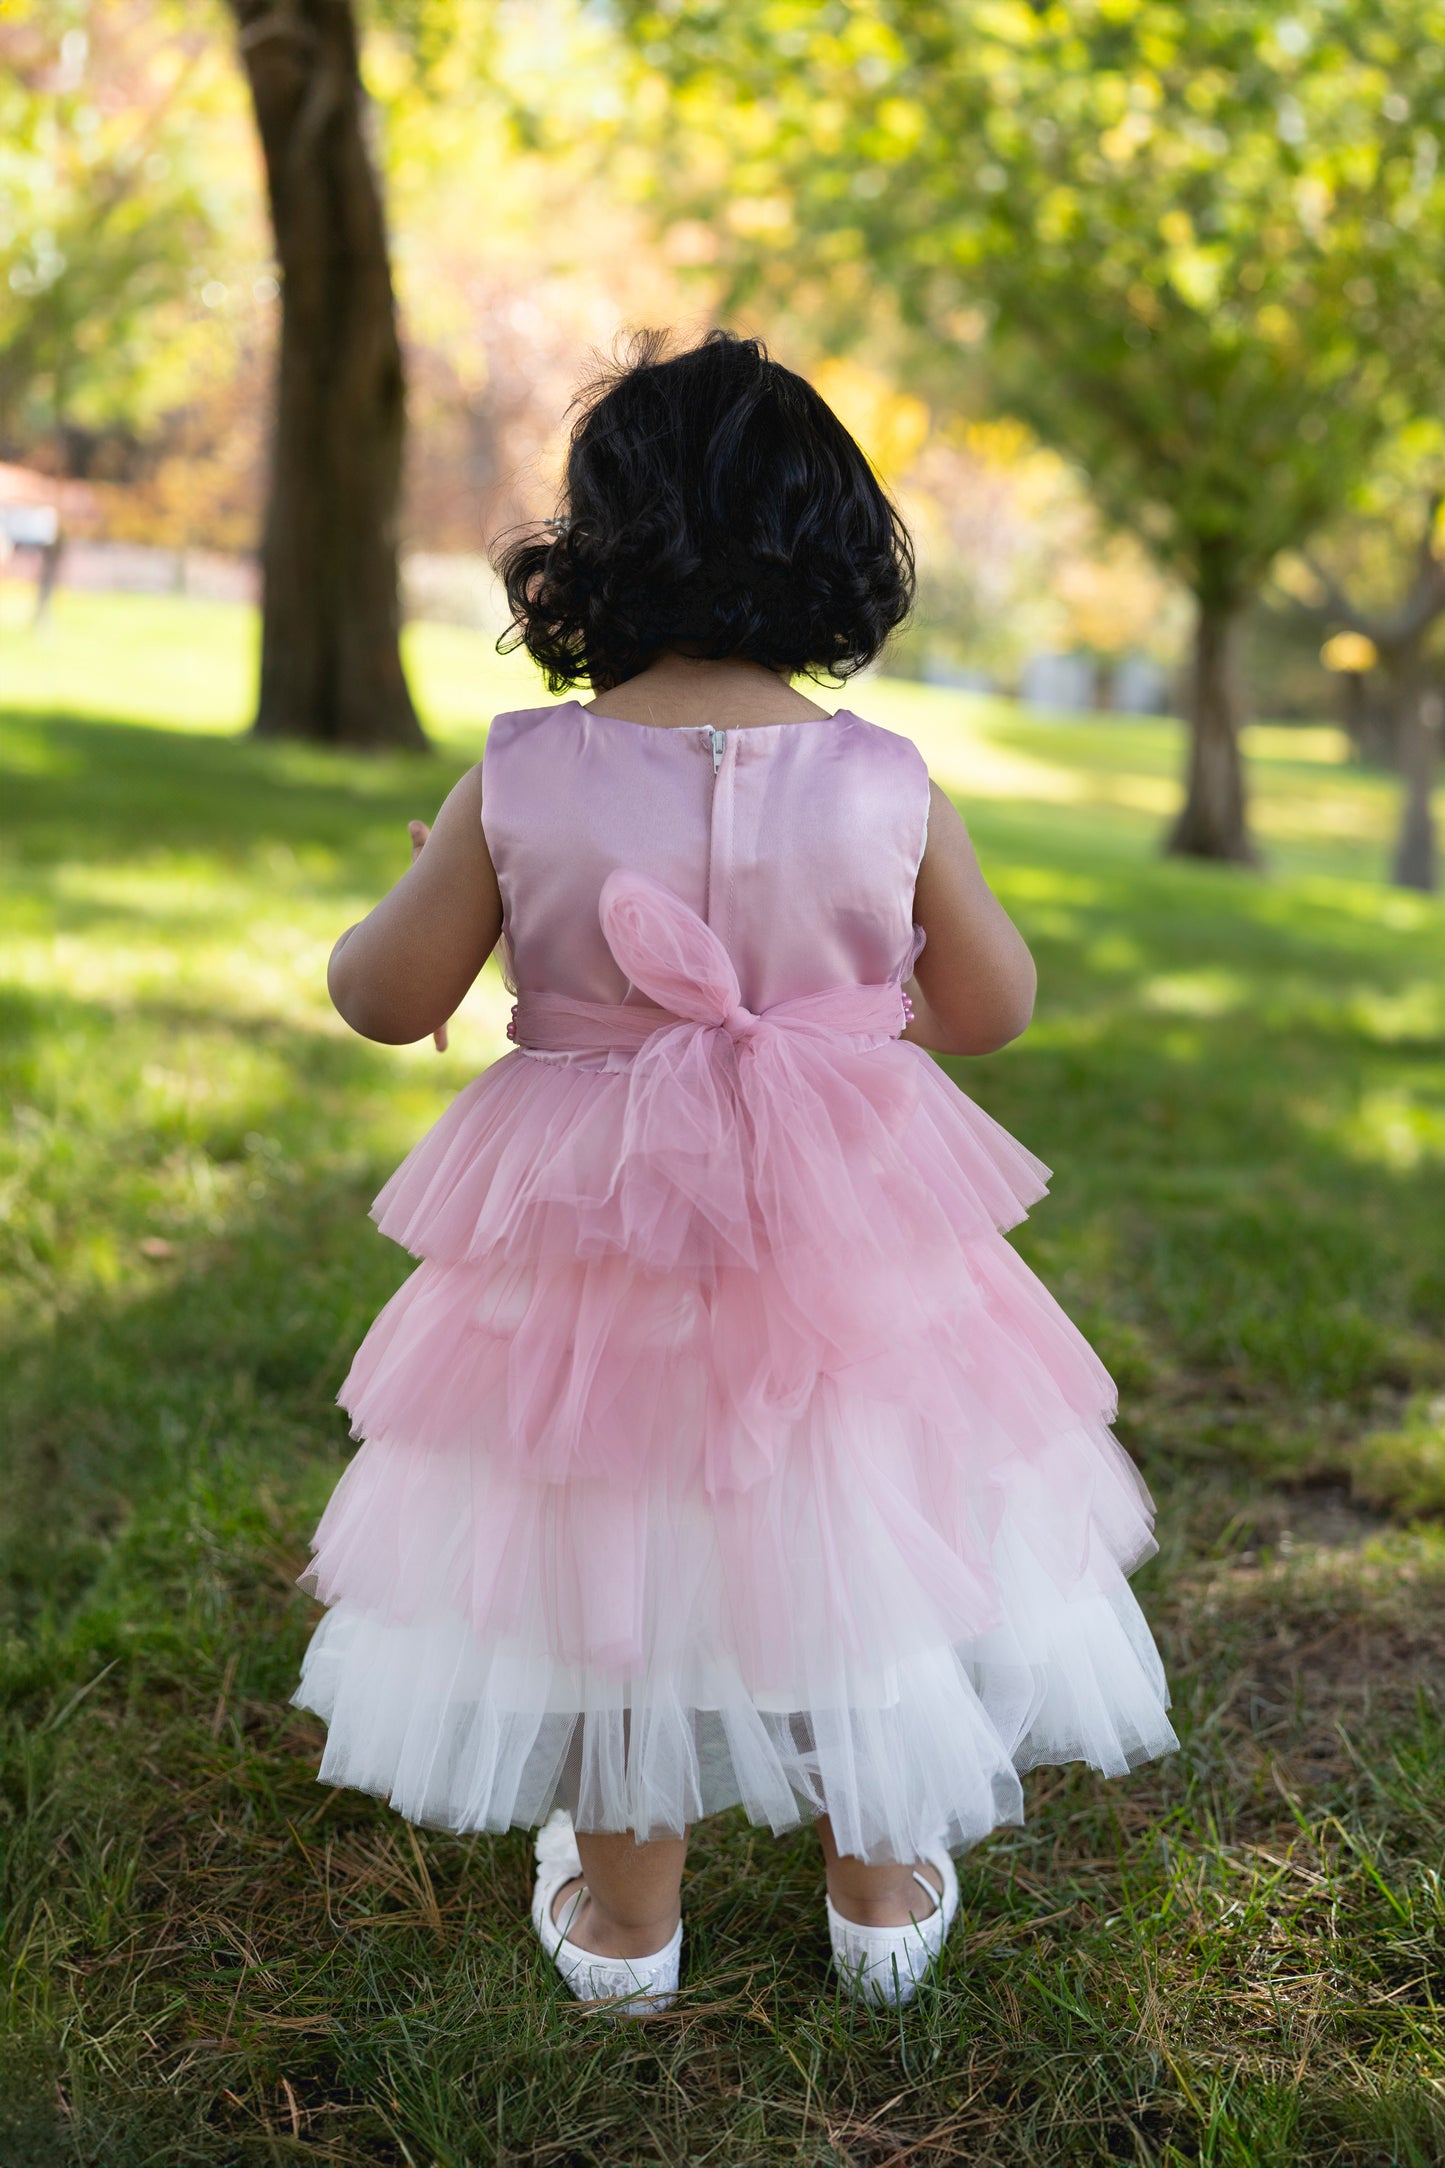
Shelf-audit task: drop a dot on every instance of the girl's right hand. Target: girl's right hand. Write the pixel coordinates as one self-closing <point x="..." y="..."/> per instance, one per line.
<point x="405" y="969"/>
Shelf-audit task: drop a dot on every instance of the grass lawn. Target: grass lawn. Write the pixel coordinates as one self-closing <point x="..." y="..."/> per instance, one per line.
<point x="1235" y="1957"/>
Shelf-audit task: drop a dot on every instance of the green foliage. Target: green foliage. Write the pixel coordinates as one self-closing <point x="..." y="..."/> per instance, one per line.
<point x="1206" y="246"/>
<point x="127" y="200"/>
<point x="1230" y="1958"/>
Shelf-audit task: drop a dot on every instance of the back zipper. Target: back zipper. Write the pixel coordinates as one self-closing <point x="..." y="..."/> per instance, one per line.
<point x="719" y="740"/>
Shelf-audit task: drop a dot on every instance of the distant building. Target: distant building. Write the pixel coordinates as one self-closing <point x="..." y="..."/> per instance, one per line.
<point x="1141" y="687"/>
<point x="941" y="670"/>
<point x="1080" y="684"/>
<point x="38" y="511"/>
<point x="1064" y="683"/>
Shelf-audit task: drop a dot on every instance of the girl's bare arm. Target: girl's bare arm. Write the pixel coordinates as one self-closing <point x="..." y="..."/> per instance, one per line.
<point x="400" y="973"/>
<point x="974" y="987"/>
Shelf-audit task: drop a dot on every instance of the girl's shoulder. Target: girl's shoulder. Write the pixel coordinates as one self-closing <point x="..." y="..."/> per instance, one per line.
<point x="885" y="750"/>
<point x="515" y="728"/>
<point x="876" y="732"/>
<point x="510" y="721"/>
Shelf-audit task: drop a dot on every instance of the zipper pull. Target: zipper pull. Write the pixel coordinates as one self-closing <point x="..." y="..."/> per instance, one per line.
<point x="719" y="740"/>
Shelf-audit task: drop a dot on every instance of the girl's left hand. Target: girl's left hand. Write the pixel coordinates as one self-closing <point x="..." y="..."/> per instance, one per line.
<point x="419" y="831"/>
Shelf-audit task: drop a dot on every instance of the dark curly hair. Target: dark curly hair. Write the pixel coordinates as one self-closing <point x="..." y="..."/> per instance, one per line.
<point x="713" y="502"/>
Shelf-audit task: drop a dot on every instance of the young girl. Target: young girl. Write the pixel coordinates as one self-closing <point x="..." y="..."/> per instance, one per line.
<point x="719" y="1450"/>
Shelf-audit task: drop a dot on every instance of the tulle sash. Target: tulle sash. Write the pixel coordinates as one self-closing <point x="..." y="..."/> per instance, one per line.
<point x="732" y="1109"/>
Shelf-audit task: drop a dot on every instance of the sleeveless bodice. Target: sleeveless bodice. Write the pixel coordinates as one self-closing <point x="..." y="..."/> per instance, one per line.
<point x="798" y="844"/>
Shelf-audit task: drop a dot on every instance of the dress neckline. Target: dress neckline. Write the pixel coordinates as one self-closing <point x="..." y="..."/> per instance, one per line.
<point x="683" y="730"/>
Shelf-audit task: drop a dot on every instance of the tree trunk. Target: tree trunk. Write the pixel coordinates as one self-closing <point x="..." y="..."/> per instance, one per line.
<point x="1368" y="718"/>
<point x="330" y="659"/>
<point x="1212" y="823"/>
<point x="1416" y="859"/>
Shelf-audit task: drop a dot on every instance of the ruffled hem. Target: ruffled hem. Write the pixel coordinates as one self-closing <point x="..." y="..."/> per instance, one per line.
<point x="468" y="1736"/>
<point x="878" y="1626"/>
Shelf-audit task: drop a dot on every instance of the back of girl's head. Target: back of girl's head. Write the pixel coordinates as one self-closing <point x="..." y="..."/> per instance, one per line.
<point x="713" y="502"/>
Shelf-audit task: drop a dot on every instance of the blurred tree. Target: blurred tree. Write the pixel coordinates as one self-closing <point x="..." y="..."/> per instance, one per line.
<point x="1380" y="575"/>
<point x="122" y="231"/>
<point x="1204" y="247"/>
<point x="520" y="109"/>
<point x="330" y="658"/>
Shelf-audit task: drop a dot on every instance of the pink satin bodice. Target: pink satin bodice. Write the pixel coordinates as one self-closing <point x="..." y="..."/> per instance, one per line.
<point x="798" y="844"/>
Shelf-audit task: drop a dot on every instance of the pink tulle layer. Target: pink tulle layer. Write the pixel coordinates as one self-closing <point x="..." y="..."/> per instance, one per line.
<point x="720" y="1449"/>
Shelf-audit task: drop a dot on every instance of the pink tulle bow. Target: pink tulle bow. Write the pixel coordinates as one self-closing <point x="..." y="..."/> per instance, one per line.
<point x="673" y="957"/>
<point x="669" y="954"/>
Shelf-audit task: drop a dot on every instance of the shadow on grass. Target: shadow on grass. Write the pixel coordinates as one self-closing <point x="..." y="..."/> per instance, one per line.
<point x="94" y="793"/>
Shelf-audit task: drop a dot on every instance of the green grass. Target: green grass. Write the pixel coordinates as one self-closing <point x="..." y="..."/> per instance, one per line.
<point x="1234" y="1958"/>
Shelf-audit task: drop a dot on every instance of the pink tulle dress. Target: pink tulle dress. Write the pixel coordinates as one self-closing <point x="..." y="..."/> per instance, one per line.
<point x="720" y="1449"/>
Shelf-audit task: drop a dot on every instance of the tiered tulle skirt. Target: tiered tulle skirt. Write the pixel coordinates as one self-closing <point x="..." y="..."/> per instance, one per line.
<point x="688" y="1483"/>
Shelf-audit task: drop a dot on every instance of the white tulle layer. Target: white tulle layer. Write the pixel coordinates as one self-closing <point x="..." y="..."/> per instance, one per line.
<point x="868" y="1677"/>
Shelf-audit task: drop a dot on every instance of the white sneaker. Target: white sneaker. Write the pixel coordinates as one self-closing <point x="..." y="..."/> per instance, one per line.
<point x="885" y="1964"/>
<point x="648" y="1983"/>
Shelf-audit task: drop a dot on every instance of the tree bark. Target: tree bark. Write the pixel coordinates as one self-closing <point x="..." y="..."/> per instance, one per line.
<point x="1416" y="860"/>
<point x="1415" y="711"/>
<point x="330" y="655"/>
<point x="1212" y="823"/>
<point x="1368" y="718"/>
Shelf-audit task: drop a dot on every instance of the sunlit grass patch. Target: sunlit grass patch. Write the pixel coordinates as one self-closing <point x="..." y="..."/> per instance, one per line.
<point x="1117" y="779"/>
<point x="184" y="664"/>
